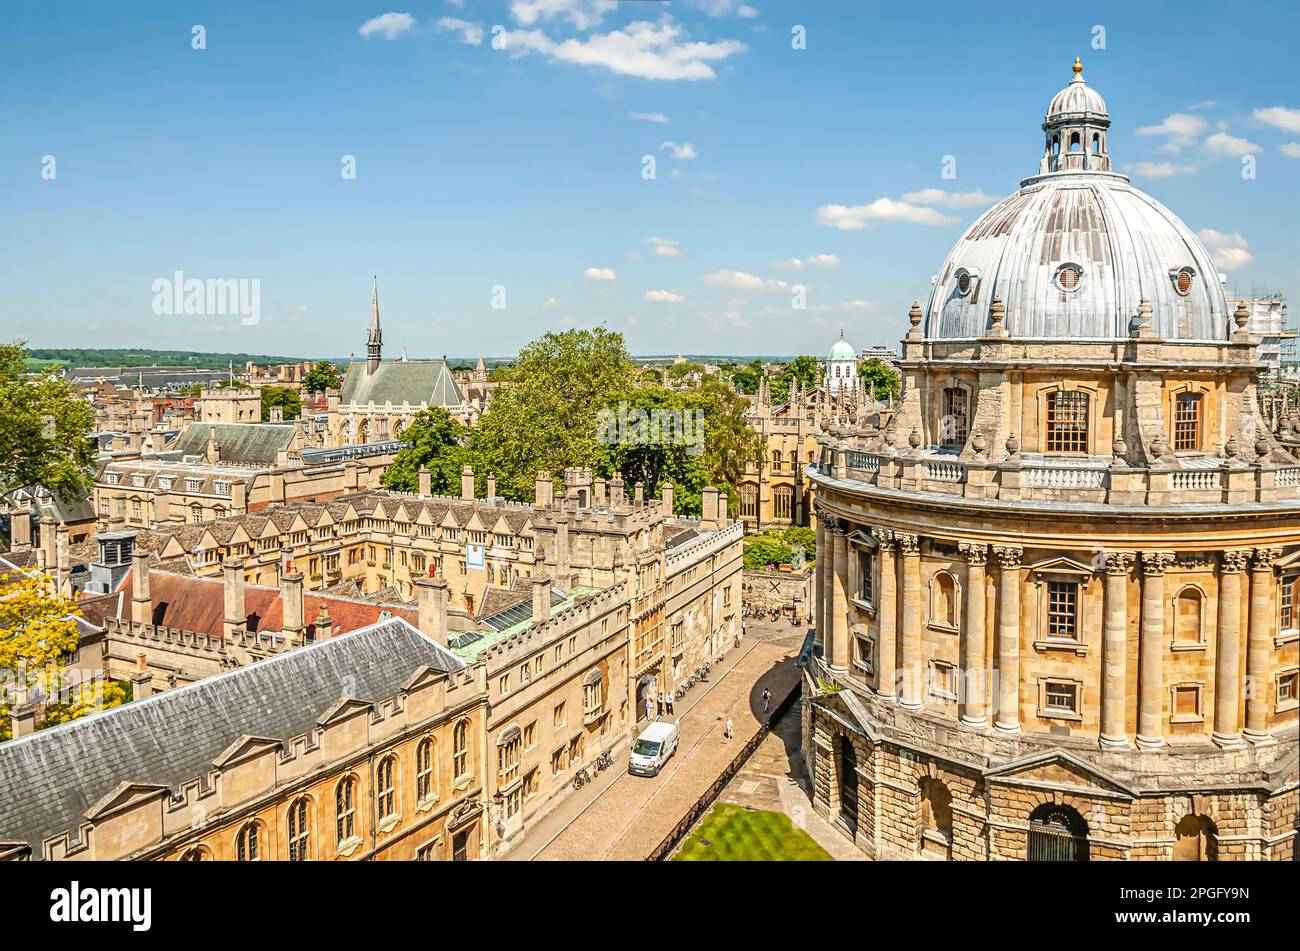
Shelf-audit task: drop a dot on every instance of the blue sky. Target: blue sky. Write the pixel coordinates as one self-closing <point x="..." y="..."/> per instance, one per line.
<point x="522" y="168"/>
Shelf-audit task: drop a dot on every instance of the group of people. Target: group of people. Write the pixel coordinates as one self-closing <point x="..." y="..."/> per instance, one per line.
<point x="662" y="705"/>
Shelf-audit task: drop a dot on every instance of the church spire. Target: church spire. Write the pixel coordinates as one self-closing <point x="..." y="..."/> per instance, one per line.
<point x="375" y="338"/>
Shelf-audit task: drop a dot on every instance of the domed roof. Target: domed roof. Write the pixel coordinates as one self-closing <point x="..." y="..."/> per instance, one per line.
<point x="1076" y="100"/>
<point x="1072" y="254"/>
<point x="842" y="350"/>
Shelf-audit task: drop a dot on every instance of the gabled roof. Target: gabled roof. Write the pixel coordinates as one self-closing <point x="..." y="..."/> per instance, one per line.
<point x="241" y="443"/>
<point x="414" y="382"/>
<point x="51" y="779"/>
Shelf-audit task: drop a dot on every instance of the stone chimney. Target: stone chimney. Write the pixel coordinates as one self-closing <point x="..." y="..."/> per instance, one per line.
<point x="20" y="528"/>
<point x="601" y="489"/>
<point x="431" y="596"/>
<point x="709" y="507"/>
<point x="563" y="576"/>
<point x="22" y="715"/>
<point x="638" y="494"/>
<point x="62" y="575"/>
<point x="541" y="598"/>
<point x="616" y="496"/>
<point x="723" y="521"/>
<point x="47" y="531"/>
<point x="668" y="498"/>
<point x="213" y="455"/>
<point x="324" y="623"/>
<point x="236" y="615"/>
<point x="141" y="598"/>
<point x="467" y="484"/>
<point x="543" y="489"/>
<point x="292" y="609"/>
<point x="142" y="679"/>
<point x="426" y="481"/>
<point x="491" y="485"/>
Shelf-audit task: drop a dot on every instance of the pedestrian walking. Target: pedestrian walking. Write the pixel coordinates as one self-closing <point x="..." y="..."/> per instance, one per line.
<point x="650" y="707"/>
<point x="669" y="701"/>
<point x="767" y="699"/>
<point x="729" y="727"/>
<point x="661" y="704"/>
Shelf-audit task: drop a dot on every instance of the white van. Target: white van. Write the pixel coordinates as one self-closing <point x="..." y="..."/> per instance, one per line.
<point x="652" y="748"/>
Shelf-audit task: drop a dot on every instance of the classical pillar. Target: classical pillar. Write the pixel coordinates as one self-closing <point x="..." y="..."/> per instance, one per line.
<point x="1114" y="651"/>
<point x="1151" y="650"/>
<point x="819" y="584"/>
<point x="826" y="568"/>
<point x="911" y="679"/>
<point x="1227" y="651"/>
<point x="1008" y="719"/>
<point x="886" y="615"/>
<point x="1259" y="645"/>
<point x="840" y="596"/>
<point x="975" y="673"/>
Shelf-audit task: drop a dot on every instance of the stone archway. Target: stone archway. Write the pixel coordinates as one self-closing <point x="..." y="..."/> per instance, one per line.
<point x="1195" y="840"/>
<point x="846" y="770"/>
<point x="936" y="820"/>
<point x="1057" y="833"/>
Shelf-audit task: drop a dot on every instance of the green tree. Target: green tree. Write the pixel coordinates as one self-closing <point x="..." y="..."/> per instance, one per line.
<point x="803" y="370"/>
<point x="281" y="396"/>
<point x="885" y="378"/>
<point x="729" y="441"/>
<point x="44" y="430"/>
<point x="652" y="453"/>
<point x="436" y="442"/>
<point x="321" y="377"/>
<point x="546" y="417"/>
<point x="748" y="377"/>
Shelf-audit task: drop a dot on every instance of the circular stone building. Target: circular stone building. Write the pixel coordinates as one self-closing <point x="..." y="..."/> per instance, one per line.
<point x="1060" y="581"/>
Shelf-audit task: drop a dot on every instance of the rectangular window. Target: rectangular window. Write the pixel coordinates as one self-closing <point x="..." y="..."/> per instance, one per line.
<point x="1186" y="703"/>
<point x="1288" y="684"/>
<point x="1062" y="609"/>
<point x="1067" y="421"/>
<point x="558" y="717"/>
<point x="1288" y="593"/>
<point x="862" y="655"/>
<point x="953" y="426"/>
<point x="1060" y="697"/>
<point x="1187" y="422"/>
<point x="867" y="576"/>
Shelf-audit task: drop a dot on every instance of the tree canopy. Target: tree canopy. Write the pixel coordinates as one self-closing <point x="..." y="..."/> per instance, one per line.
<point x="882" y="375"/>
<point x="45" y="431"/>
<point x="437" y="443"/>
<point x="281" y="396"/>
<point x="321" y="377"/>
<point x="803" y="370"/>
<point x="748" y="377"/>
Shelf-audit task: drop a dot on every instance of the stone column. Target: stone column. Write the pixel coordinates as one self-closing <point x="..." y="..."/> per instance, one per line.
<point x="1227" y="651"/>
<point x="911" y="678"/>
<point x="886" y="615"/>
<point x="1151" y="671"/>
<point x="839" y="652"/>
<point x="1114" y="651"/>
<point x="1259" y="645"/>
<point x="826" y="568"/>
<point x="236" y="617"/>
<point x="974" y="671"/>
<point x="819" y="583"/>
<point x="1008" y="719"/>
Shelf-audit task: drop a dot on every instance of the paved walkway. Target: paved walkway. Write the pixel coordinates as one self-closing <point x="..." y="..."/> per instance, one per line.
<point x="625" y="817"/>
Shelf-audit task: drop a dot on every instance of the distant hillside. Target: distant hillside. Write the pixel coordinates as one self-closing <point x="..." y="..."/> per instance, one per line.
<point x="38" y="358"/>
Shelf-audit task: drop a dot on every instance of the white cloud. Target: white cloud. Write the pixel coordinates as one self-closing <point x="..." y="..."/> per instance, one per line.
<point x="683" y="150"/>
<point x="599" y="274"/>
<point x="789" y="264"/>
<point x="1290" y="149"/>
<point x="1280" y="117"/>
<point x="1223" y="144"/>
<point x="937" y="196"/>
<point x="471" y="34"/>
<point x="857" y="217"/>
<point x="551" y="303"/>
<point x="642" y="49"/>
<point x="1203" y="104"/>
<point x="1160" y="169"/>
<point x="741" y="280"/>
<point x="388" y="25"/>
<point x="658" y="117"/>
<point x="823" y="261"/>
<point x="583" y="14"/>
<point x="664" y="297"/>
<point x="1179" y="130"/>
<point x="724" y="8"/>
<point x="665" y="248"/>
<point x="1229" y="250"/>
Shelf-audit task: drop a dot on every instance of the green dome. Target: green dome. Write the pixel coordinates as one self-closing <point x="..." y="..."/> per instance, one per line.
<point x="842" y="350"/>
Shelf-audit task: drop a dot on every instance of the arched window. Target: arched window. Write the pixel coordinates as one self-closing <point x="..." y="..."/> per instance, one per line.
<point x="345" y="808"/>
<point x="246" y="843"/>
<point x="782" y="501"/>
<point x="385" y="788"/>
<point x="848" y="783"/>
<point x="749" y="501"/>
<point x="298" y="831"/>
<point x="776" y="460"/>
<point x="1096" y="144"/>
<point x="1056" y="145"/>
<point x="460" y="749"/>
<point x="1195" y="840"/>
<point x="1057" y="833"/>
<point x="943" y="600"/>
<point x="195" y="854"/>
<point x="936" y="819"/>
<point x="1075" y="144"/>
<point x="956" y="413"/>
<point x="1187" y="616"/>
<point x="1187" y="422"/>
<point x="1067" y="421"/>
<point x="424" y="788"/>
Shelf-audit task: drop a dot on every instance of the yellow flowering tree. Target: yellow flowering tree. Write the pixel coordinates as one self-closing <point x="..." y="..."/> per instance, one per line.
<point x="37" y="635"/>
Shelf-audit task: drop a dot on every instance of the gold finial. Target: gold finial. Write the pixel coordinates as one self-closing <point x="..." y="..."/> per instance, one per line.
<point x="1078" y="66"/>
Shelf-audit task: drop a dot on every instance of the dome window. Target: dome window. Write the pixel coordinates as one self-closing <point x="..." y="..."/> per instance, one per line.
<point x="1182" y="278"/>
<point x="1069" y="277"/>
<point x="965" y="280"/>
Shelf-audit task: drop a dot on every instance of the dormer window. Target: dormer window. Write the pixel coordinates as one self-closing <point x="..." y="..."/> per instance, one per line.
<point x="964" y="282"/>
<point x="1069" y="277"/>
<point x="1182" y="278"/>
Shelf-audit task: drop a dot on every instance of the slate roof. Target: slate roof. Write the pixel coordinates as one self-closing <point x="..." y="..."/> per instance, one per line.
<point x="414" y="382"/>
<point x="49" y="780"/>
<point x="240" y="443"/>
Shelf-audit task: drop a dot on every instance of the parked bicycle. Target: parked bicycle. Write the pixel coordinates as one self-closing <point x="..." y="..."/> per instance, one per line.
<point x="581" y="778"/>
<point x="604" y="761"/>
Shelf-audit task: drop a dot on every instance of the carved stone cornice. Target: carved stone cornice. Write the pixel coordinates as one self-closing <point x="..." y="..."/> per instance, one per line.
<point x="1157" y="562"/>
<point x="1264" y="558"/>
<point x="1008" y="556"/>
<point x="1235" y="560"/>
<point x="975" y="553"/>
<point x="884" y="538"/>
<point x="908" y="544"/>
<point x="1120" y="562"/>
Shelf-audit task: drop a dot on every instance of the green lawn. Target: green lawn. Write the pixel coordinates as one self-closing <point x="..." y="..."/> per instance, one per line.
<point x="731" y="833"/>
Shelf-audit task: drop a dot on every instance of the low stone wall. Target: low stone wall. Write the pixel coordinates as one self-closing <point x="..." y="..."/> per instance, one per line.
<point x="778" y="589"/>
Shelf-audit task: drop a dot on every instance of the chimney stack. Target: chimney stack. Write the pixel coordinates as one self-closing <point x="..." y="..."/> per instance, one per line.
<point x="20" y="528"/>
<point x="543" y="489"/>
<point x="541" y="598"/>
<point x="668" y="498"/>
<point x="141" y="598"/>
<point x="723" y="521"/>
<point x="324" y="623"/>
<point x="426" y="482"/>
<point x="601" y="489"/>
<point x="47" y="525"/>
<point x="292" y="609"/>
<point x="141" y="680"/>
<point x="467" y="484"/>
<point x="709" y="507"/>
<point x="63" y="576"/>
<point x="236" y="616"/>
<point x="22" y="715"/>
<point x="563" y="576"/>
<point x="491" y="485"/>
<point x="638" y="493"/>
<point x="431" y="596"/>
